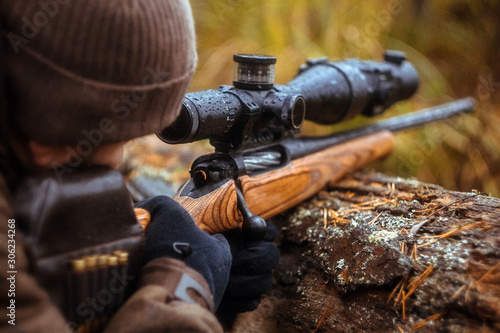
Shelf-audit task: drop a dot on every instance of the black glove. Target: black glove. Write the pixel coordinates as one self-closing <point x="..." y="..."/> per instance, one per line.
<point x="172" y="233"/>
<point x="251" y="271"/>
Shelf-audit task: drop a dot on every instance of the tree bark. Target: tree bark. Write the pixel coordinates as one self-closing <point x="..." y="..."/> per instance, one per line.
<point x="374" y="253"/>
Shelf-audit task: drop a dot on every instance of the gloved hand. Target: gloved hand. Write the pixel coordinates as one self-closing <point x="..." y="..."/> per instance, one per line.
<point x="251" y="271"/>
<point x="172" y="233"/>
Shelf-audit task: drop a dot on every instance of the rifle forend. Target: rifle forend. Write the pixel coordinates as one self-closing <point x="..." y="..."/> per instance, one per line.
<point x="255" y="112"/>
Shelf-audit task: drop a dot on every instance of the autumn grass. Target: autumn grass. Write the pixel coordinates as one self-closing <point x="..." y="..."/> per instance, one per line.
<point x="453" y="44"/>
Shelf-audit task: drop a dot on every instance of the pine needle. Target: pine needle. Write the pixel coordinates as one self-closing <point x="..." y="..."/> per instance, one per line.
<point x="374" y="219"/>
<point x="323" y="316"/>
<point x="489" y="271"/>
<point x="454" y="231"/>
<point x="424" y="322"/>
<point x="404" y="305"/>
<point x="418" y="281"/>
<point x="428" y="243"/>
<point x="397" y="287"/>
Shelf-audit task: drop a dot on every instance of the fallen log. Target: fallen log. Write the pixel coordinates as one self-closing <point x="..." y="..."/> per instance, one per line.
<point x="374" y="253"/>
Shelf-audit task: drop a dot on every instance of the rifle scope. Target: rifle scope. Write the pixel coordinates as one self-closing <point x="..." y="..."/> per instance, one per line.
<point x="256" y="110"/>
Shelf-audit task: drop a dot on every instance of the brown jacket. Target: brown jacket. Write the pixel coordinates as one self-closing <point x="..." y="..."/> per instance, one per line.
<point x="152" y="308"/>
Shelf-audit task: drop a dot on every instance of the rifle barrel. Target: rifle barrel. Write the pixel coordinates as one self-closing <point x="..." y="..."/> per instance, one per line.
<point x="302" y="146"/>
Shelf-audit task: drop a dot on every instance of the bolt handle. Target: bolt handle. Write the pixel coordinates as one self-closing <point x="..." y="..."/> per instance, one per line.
<point x="254" y="227"/>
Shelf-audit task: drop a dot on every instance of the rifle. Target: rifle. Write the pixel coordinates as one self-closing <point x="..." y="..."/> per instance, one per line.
<point x="261" y="165"/>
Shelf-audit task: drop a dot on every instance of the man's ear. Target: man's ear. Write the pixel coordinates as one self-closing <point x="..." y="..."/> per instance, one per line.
<point x="110" y="155"/>
<point x="44" y="156"/>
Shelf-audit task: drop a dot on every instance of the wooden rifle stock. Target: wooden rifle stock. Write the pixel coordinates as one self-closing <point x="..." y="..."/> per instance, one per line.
<point x="270" y="193"/>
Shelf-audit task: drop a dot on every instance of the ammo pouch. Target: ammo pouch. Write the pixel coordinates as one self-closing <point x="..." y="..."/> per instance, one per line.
<point x="84" y="241"/>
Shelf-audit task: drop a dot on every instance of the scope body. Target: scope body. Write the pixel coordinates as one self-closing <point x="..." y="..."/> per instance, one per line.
<point x="323" y="92"/>
<point x="230" y="116"/>
<point x="338" y="91"/>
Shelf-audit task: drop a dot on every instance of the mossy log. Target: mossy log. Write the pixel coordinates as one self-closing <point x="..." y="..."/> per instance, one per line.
<point x="374" y="253"/>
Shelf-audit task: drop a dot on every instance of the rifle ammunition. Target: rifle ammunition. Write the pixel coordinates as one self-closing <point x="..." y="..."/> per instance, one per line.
<point x="122" y="257"/>
<point x="93" y="287"/>
<point x="112" y="266"/>
<point x="102" y="261"/>
<point x="78" y="265"/>
<point x="88" y="277"/>
<point x="76" y="280"/>
<point x="122" y="271"/>
<point x="102" y="284"/>
<point x="77" y="286"/>
<point x="90" y="262"/>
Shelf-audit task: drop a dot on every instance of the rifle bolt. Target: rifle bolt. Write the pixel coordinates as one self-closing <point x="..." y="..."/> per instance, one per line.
<point x="215" y="175"/>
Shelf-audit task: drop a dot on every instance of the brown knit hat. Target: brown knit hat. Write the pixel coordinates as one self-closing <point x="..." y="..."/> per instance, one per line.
<point x="102" y="70"/>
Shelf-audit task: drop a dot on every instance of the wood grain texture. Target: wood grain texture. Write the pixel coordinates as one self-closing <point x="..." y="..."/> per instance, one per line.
<point x="273" y="192"/>
<point x="216" y="211"/>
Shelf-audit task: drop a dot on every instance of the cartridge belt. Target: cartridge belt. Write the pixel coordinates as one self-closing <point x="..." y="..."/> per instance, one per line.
<point x="85" y="241"/>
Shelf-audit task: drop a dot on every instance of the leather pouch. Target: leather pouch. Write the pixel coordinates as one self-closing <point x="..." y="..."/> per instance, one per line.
<point x="85" y="241"/>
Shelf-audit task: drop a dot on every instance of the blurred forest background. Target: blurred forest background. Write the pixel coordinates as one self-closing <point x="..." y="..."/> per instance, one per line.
<point x="453" y="43"/>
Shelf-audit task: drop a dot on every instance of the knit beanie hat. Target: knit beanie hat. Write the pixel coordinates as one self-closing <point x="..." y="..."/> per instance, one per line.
<point x="103" y="71"/>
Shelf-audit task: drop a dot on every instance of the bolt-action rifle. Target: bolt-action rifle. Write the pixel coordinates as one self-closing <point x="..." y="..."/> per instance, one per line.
<point x="261" y="165"/>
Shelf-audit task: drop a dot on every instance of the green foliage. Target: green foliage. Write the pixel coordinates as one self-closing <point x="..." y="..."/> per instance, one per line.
<point x="453" y="43"/>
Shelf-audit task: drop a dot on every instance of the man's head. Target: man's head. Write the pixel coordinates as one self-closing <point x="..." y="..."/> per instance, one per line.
<point x="88" y="73"/>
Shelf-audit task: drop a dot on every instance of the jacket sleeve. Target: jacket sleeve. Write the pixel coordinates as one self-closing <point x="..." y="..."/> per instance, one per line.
<point x="23" y="302"/>
<point x="154" y="308"/>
